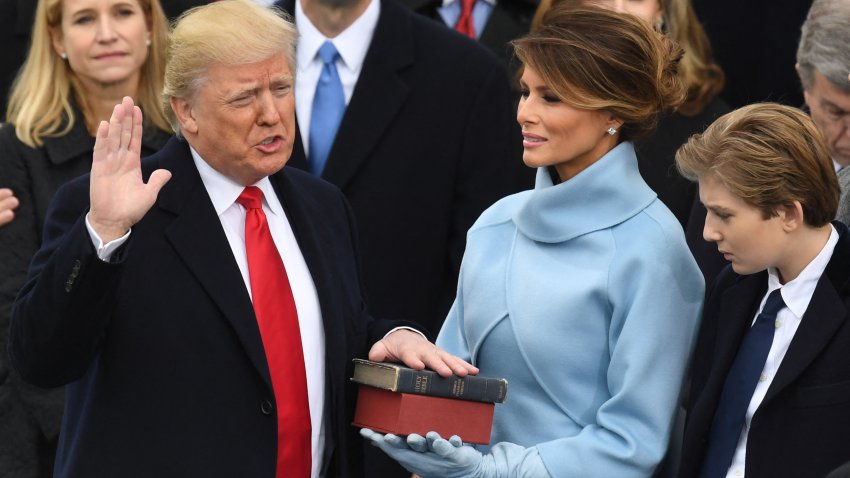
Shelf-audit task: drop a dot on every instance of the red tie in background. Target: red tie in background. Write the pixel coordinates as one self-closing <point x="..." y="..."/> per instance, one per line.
<point x="277" y="317"/>
<point x="464" y="24"/>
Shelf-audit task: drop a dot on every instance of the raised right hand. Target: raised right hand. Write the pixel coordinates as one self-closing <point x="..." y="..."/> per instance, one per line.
<point x="119" y="195"/>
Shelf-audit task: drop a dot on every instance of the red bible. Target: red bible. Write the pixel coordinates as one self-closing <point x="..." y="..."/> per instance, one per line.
<point x="405" y="413"/>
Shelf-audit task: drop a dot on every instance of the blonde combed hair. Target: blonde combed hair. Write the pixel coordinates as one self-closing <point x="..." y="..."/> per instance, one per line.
<point x="200" y="39"/>
<point x="769" y="155"/>
<point x="40" y="102"/>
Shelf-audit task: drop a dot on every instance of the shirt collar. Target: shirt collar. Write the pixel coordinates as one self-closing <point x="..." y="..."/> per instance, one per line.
<point x="352" y="44"/>
<point x="223" y="191"/>
<point x="798" y="293"/>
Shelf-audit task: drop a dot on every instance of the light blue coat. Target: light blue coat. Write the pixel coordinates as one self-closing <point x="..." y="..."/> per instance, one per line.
<point x="586" y="298"/>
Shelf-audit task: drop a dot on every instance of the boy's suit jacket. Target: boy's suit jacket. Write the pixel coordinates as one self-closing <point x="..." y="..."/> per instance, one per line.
<point x="802" y="428"/>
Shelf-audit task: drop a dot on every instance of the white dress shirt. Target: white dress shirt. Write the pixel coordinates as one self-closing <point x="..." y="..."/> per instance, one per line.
<point x="797" y="294"/>
<point x="223" y="193"/>
<point x="352" y="45"/>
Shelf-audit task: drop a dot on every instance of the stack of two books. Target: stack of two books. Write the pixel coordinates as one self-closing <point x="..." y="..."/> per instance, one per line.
<point x="396" y="399"/>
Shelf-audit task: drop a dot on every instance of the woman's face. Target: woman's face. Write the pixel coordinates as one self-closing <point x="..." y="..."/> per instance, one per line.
<point x="557" y="134"/>
<point x="105" y="40"/>
<point x="649" y="10"/>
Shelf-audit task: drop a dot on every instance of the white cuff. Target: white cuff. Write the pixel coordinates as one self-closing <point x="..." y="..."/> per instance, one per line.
<point x="406" y="328"/>
<point x="105" y="251"/>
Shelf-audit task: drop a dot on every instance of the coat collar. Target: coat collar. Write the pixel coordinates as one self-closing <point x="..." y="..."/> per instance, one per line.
<point x="197" y="237"/>
<point x="827" y="312"/>
<point x="557" y="213"/>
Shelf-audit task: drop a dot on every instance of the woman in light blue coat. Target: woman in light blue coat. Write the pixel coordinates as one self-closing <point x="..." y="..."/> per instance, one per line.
<point x="582" y="291"/>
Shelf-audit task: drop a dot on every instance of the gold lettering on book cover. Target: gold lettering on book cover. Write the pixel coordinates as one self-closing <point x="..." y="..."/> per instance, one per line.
<point x="421" y="384"/>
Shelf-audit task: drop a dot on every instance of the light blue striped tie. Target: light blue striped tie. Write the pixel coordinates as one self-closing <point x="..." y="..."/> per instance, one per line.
<point x="328" y="108"/>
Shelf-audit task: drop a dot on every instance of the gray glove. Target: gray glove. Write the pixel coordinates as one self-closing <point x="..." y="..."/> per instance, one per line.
<point x="434" y="457"/>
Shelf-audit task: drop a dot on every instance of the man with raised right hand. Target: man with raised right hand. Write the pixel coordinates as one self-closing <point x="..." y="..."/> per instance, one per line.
<point x="202" y="306"/>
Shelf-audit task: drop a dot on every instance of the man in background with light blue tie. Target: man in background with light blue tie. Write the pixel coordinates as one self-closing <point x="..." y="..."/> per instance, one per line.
<point x="415" y="125"/>
<point x="769" y="394"/>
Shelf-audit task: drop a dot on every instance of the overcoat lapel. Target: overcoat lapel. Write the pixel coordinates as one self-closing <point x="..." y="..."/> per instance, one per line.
<point x="825" y="315"/>
<point x="315" y="247"/>
<point x="305" y="219"/>
<point x="197" y="237"/>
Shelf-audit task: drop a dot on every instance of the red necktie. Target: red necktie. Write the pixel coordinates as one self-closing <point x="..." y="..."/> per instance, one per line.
<point x="464" y="24"/>
<point x="277" y="318"/>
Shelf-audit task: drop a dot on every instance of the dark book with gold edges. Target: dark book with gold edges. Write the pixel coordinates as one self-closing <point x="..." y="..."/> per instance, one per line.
<point x="398" y="378"/>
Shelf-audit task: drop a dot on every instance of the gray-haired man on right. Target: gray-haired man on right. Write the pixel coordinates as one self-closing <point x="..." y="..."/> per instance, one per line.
<point x="823" y="61"/>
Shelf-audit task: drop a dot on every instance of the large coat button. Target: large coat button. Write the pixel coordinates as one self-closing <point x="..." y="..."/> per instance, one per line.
<point x="69" y="284"/>
<point x="266" y="407"/>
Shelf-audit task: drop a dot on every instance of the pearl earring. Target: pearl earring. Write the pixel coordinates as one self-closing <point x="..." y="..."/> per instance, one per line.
<point x="612" y="131"/>
<point x="148" y="42"/>
<point x="63" y="55"/>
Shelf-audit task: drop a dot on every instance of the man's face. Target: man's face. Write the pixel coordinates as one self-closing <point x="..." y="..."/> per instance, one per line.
<point x="242" y="118"/>
<point x="830" y="109"/>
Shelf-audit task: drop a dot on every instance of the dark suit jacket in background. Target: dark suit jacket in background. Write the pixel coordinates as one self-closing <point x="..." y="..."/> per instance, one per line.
<point x="30" y="416"/>
<point x="657" y="157"/>
<point x="16" y="18"/>
<point x="509" y="20"/>
<point x="755" y="42"/>
<point x="657" y="163"/>
<point x="174" y="8"/>
<point x="428" y="141"/>
<point x="802" y="427"/>
<point x="160" y="350"/>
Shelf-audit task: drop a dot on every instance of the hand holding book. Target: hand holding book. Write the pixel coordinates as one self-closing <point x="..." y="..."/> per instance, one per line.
<point x="435" y="457"/>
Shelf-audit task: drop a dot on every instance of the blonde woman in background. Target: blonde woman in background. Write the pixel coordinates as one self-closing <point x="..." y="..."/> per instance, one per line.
<point x="85" y="56"/>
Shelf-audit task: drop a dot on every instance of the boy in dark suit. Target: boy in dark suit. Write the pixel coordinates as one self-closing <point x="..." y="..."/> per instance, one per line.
<point x="770" y="392"/>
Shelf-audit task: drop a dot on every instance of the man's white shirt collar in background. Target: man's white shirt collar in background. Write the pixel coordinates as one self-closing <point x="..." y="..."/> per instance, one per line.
<point x="352" y="45"/>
